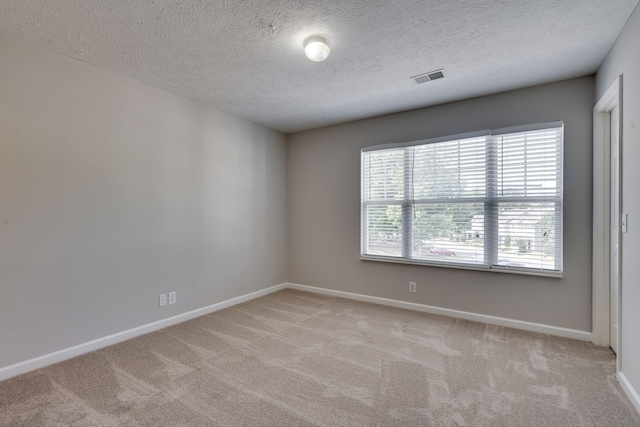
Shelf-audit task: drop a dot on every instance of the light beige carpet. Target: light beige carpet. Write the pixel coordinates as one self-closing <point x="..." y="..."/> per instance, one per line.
<point x="300" y="359"/>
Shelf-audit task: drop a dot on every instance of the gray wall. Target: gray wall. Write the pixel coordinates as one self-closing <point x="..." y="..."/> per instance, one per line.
<point x="324" y="209"/>
<point x="112" y="192"/>
<point x="624" y="59"/>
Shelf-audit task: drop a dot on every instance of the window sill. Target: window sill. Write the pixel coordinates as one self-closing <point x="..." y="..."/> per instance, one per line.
<point x="519" y="271"/>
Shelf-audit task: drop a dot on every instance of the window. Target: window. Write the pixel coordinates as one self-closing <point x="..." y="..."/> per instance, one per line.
<point x="489" y="200"/>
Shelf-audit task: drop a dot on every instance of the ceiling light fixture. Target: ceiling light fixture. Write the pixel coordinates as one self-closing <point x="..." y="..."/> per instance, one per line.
<point x="316" y="48"/>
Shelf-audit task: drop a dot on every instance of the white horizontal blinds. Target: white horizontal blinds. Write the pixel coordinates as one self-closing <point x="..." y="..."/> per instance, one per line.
<point x="383" y="194"/>
<point x="449" y="186"/>
<point x="450" y="170"/>
<point x="527" y="235"/>
<point x="529" y="199"/>
<point x="529" y="163"/>
<point x="383" y="230"/>
<point x="447" y="232"/>
<point x="480" y="199"/>
<point x="383" y="174"/>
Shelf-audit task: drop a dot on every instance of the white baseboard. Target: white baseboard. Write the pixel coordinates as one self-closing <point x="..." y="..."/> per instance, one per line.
<point x="77" y="350"/>
<point x="68" y="353"/>
<point x="631" y="392"/>
<point x="483" y="318"/>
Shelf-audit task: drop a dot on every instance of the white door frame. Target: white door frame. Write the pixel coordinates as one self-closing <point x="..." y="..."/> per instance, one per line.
<point x="615" y="257"/>
<point x="601" y="215"/>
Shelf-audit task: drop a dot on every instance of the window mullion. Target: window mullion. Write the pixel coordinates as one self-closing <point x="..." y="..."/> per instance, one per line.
<point x="558" y="236"/>
<point x="559" y="240"/>
<point x="491" y="206"/>
<point x="407" y="205"/>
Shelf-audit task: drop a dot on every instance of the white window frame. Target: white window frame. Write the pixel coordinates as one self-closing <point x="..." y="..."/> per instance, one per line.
<point x="490" y="200"/>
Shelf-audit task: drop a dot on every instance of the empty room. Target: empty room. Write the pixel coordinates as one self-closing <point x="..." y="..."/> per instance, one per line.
<point x="322" y="213"/>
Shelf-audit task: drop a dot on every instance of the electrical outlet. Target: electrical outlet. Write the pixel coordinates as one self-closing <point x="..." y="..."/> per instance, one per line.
<point x="163" y="300"/>
<point x="412" y="287"/>
<point x="172" y="297"/>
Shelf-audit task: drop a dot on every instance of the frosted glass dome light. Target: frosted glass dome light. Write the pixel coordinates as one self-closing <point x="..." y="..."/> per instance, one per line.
<point x="316" y="48"/>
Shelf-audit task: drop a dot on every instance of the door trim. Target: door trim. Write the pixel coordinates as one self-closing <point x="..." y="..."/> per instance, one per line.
<point x="615" y="254"/>
<point x="601" y="214"/>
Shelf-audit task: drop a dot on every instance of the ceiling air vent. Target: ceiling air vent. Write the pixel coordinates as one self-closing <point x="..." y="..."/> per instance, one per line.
<point x="427" y="77"/>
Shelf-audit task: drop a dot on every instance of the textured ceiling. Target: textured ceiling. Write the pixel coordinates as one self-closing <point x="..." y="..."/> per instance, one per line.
<point x="245" y="56"/>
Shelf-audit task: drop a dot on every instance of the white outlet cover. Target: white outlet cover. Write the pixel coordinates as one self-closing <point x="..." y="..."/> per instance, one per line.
<point x="172" y="297"/>
<point x="163" y="300"/>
